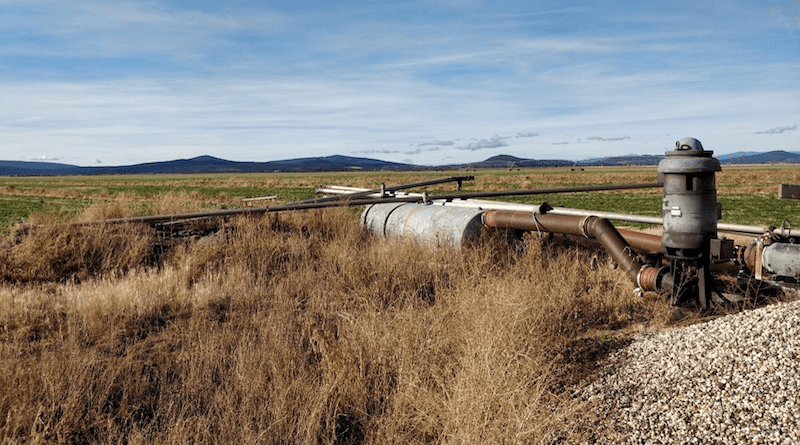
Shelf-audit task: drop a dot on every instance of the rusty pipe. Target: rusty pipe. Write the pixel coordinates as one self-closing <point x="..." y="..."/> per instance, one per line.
<point x="643" y="276"/>
<point x="642" y="241"/>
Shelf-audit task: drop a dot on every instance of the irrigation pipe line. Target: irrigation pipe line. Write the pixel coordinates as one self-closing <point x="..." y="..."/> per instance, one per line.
<point x="343" y="199"/>
<point x="348" y="201"/>
<point x="545" y="208"/>
<point x="363" y="193"/>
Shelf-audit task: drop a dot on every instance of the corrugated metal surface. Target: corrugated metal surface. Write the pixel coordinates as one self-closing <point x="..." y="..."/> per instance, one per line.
<point x="435" y="225"/>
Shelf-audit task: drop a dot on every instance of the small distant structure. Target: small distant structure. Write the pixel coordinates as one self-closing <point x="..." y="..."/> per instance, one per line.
<point x="248" y="202"/>
<point x="789" y="191"/>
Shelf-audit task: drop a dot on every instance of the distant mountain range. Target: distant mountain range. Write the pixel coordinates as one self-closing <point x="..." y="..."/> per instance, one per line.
<point x="208" y="164"/>
<point x="204" y="164"/>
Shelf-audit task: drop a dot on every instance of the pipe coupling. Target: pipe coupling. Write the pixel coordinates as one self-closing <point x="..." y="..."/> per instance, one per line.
<point x="648" y="278"/>
<point x="584" y="226"/>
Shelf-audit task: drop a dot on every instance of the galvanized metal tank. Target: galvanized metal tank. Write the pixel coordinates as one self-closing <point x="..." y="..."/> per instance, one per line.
<point x="783" y="259"/>
<point x="436" y="225"/>
<point x="690" y="207"/>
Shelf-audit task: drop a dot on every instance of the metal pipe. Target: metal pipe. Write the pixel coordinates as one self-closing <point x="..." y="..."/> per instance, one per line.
<point x="160" y="219"/>
<point x="642" y="241"/>
<point x="481" y="204"/>
<point x="455" y="196"/>
<point x="435" y="225"/>
<point x="625" y="217"/>
<point x="643" y="276"/>
<point x="781" y="259"/>
<point x="655" y="220"/>
<point x="384" y="189"/>
<point x="588" y="188"/>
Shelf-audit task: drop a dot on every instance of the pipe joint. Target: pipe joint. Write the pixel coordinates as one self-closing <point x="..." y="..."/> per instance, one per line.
<point x="650" y="278"/>
<point x="584" y="224"/>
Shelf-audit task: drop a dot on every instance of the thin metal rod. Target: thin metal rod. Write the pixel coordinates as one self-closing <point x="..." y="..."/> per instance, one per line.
<point x="587" y="188"/>
<point x="310" y="203"/>
<point x="480" y="204"/>
<point x="454" y="196"/>
<point x="160" y="219"/>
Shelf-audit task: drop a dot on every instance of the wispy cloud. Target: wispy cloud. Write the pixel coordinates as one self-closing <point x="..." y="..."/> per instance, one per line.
<point x="611" y="139"/>
<point x="495" y="142"/>
<point x="778" y="130"/>
<point x="41" y="158"/>
<point x="375" y="152"/>
<point x="437" y="143"/>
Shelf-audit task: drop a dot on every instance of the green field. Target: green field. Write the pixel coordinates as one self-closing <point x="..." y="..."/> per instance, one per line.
<point x="748" y="194"/>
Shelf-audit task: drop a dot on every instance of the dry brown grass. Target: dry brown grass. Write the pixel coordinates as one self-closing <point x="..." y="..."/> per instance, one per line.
<point x="299" y="328"/>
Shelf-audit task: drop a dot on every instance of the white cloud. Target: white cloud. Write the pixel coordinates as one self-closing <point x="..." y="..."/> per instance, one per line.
<point x="43" y="158"/>
<point x="611" y="139"/>
<point x="778" y="130"/>
<point x="495" y="142"/>
<point x="437" y="143"/>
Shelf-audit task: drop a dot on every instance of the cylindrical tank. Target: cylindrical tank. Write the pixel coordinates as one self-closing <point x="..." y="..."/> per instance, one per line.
<point x="783" y="259"/>
<point x="437" y="225"/>
<point x="690" y="207"/>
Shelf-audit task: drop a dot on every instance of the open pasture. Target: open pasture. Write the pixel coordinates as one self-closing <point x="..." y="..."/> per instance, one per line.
<point x="301" y="328"/>
<point x="748" y="193"/>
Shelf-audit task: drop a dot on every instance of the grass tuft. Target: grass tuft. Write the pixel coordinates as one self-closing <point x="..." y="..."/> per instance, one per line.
<point x="299" y="328"/>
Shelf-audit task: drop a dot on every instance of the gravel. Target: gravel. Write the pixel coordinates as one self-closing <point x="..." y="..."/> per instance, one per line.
<point x="728" y="381"/>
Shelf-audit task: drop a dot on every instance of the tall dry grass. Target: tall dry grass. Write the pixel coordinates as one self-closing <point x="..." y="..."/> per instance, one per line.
<point x="300" y="328"/>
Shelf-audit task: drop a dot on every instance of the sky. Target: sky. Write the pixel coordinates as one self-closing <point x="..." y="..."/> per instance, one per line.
<point x="90" y="82"/>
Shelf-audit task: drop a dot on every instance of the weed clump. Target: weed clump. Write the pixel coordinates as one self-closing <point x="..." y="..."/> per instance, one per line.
<point x="295" y="328"/>
<point x="59" y="253"/>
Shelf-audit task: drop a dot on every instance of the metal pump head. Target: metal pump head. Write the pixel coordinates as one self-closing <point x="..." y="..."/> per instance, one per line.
<point x="689" y="144"/>
<point x="690" y="212"/>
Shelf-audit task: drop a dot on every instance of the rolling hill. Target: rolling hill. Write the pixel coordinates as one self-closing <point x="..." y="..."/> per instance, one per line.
<point x="209" y="164"/>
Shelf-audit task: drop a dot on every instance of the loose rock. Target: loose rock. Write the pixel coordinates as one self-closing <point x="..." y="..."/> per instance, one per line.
<point x="732" y="380"/>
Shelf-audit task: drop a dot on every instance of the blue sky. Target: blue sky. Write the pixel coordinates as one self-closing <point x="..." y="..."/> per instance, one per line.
<point x="122" y="82"/>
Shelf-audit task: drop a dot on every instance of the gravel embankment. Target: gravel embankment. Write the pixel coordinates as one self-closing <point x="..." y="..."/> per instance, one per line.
<point x="733" y="380"/>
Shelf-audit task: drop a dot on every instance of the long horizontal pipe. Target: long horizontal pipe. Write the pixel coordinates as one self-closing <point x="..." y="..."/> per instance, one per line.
<point x="468" y="195"/>
<point x="625" y="217"/>
<point x="480" y="204"/>
<point x="655" y="220"/>
<point x="586" y="188"/>
<point x="157" y="219"/>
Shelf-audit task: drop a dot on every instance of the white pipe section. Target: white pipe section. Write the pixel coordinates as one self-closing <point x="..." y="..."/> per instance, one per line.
<point x="498" y="205"/>
<point x="480" y="204"/>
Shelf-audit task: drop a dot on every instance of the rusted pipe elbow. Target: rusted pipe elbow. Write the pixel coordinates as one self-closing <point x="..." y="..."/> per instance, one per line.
<point x="604" y="232"/>
<point x="646" y="278"/>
